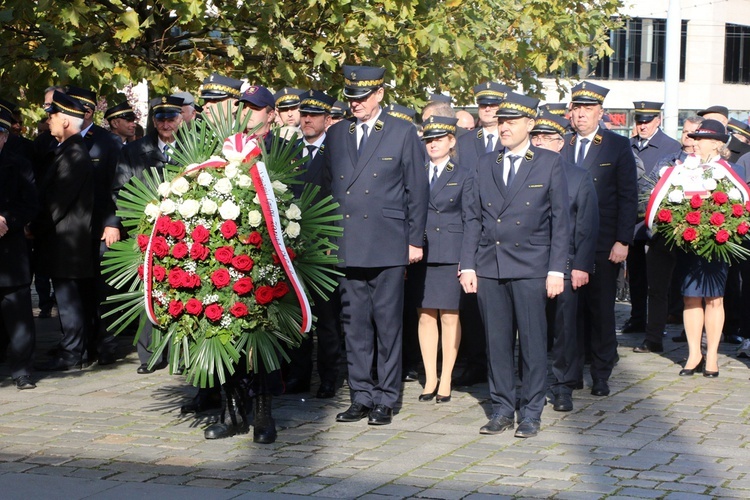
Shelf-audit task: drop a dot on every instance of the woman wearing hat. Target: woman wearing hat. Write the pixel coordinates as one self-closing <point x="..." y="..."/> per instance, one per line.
<point x="433" y="281"/>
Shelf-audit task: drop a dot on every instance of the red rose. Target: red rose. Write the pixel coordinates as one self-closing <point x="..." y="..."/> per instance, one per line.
<point x="160" y="247"/>
<point x="140" y="271"/>
<point x="664" y="215"/>
<point x="159" y="273"/>
<point x="200" y="234"/>
<point x="177" y="229"/>
<point x="722" y="236"/>
<point x="255" y="239"/>
<point x="176" y="277"/>
<point x="228" y="229"/>
<point x="224" y="254"/>
<point x="194" y="307"/>
<point x="738" y="210"/>
<point x="214" y="312"/>
<point x="162" y="225"/>
<point x="693" y="218"/>
<point x="180" y="250"/>
<point x="717" y="219"/>
<point x="186" y="280"/>
<point x="175" y="308"/>
<point x="689" y="234"/>
<point x="747" y="206"/>
<point x="264" y="295"/>
<point x="696" y="201"/>
<point x="243" y="286"/>
<point x="220" y="278"/>
<point x="275" y="258"/>
<point x="743" y="228"/>
<point x="291" y="253"/>
<point x="199" y="252"/>
<point x="238" y="310"/>
<point x="242" y="262"/>
<point x="142" y="242"/>
<point x="720" y="198"/>
<point x="280" y="290"/>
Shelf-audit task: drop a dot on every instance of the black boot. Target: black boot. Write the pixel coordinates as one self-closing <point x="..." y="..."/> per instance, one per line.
<point x="236" y="408"/>
<point x="264" y="427"/>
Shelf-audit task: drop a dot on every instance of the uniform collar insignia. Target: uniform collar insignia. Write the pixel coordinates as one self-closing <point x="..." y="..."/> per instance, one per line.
<point x="572" y="139"/>
<point x="378" y="126"/>
<point x="597" y="139"/>
<point x="529" y="155"/>
<point x="480" y="133"/>
<point x="449" y="166"/>
<point x="500" y="157"/>
<point x="352" y="128"/>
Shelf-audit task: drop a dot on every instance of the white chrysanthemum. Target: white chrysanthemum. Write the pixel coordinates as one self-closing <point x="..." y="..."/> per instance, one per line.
<point x="292" y="230"/>
<point x="204" y="179"/>
<point x="244" y="181"/>
<point x="229" y="210"/>
<point x="180" y="186"/>
<point x="279" y="187"/>
<point x="223" y="186"/>
<point x="209" y="206"/>
<point x="676" y="196"/>
<point x="293" y="212"/>
<point x="189" y="208"/>
<point x="734" y="194"/>
<point x="718" y="173"/>
<point x="254" y="218"/>
<point x="164" y="189"/>
<point x="167" y="206"/>
<point x="152" y="211"/>
<point x="709" y="184"/>
<point x="231" y="170"/>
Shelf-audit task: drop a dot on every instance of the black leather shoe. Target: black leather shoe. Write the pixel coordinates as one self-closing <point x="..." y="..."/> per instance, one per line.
<point x="709" y="374"/>
<point x="106" y="358"/>
<point x="24" y="382"/>
<point x="203" y="401"/>
<point x="327" y="390"/>
<point x="648" y="346"/>
<point x="563" y="402"/>
<point x="443" y="399"/>
<point x="529" y="427"/>
<point x="470" y="376"/>
<point x="411" y="375"/>
<point x="631" y="327"/>
<point x="57" y="365"/>
<point x="354" y="413"/>
<point x="688" y="372"/>
<point x="381" y="415"/>
<point x="600" y="388"/>
<point x="428" y="397"/>
<point x="144" y="370"/>
<point x="496" y="425"/>
<point x="578" y="385"/>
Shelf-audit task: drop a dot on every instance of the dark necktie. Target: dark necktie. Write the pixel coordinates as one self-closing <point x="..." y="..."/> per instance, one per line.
<point x="642" y="143"/>
<point x="490" y="146"/>
<point x="434" y="177"/>
<point x="362" y="141"/>
<point x="512" y="170"/>
<point x="165" y="150"/>
<point x="581" y="151"/>
<point x="310" y="152"/>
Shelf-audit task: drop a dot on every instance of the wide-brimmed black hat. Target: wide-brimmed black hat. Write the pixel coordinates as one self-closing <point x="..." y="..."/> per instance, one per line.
<point x="588" y="93"/>
<point x="710" y="129"/>
<point x="316" y="102"/>
<point x="645" y="111"/>
<point x="167" y="106"/>
<point x="398" y="111"/>
<point x="259" y="96"/>
<point x="722" y="110"/>
<point x="548" y="123"/>
<point x="87" y="97"/>
<point x="490" y="93"/>
<point x="361" y="81"/>
<point x="65" y="104"/>
<point x="218" y="87"/>
<point x="122" y="110"/>
<point x="517" y="106"/>
<point x="438" y="126"/>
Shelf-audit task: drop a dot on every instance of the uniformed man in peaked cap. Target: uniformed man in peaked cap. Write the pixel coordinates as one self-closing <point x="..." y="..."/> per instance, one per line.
<point x="218" y="90"/>
<point x="121" y="120"/>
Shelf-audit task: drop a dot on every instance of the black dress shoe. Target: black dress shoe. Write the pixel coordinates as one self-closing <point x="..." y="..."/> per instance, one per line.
<point x="428" y="397"/>
<point x="648" y="346"/>
<point x="470" y="376"/>
<point x="563" y="402"/>
<point x="57" y="365"/>
<point x="632" y="327"/>
<point x="411" y="375"/>
<point x="145" y="370"/>
<point x="106" y="358"/>
<point x="24" y="382"/>
<point x="578" y="385"/>
<point x="380" y="415"/>
<point x="296" y="386"/>
<point x="327" y="390"/>
<point x="443" y="399"/>
<point x="600" y="388"/>
<point x="529" y="427"/>
<point x="203" y="401"/>
<point x="709" y="374"/>
<point x="354" y="413"/>
<point x="497" y="424"/>
<point x="688" y="372"/>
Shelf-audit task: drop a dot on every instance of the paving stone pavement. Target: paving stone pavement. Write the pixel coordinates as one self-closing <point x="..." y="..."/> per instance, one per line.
<point x="106" y="432"/>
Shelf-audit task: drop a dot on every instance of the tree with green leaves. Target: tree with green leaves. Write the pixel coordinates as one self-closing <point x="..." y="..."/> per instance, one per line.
<point x="440" y="45"/>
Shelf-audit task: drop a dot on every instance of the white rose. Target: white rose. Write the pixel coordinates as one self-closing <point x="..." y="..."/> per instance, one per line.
<point x="709" y="184"/>
<point x="164" y="189"/>
<point x="256" y="200"/>
<point x="189" y="208"/>
<point x="223" y="186"/>
<point x="244" y="181"/>
<point x="293" y="212"/>
<point x="254" y="218"/>
<point x="229" y="211"/>
<point x="676" y="196"/>
<point x="279" y="186"/>
<point x="152" y="211"/>
<point x="734" y="194"/>
<point x="180" y="186"/>
<point x="718" y="173"/>
<point x="167" y="206"/>
<point x="292" y="230"/>
<point x="209" y="206"/>
<point x="231" y="170"/>
<point x="204" y="179"/>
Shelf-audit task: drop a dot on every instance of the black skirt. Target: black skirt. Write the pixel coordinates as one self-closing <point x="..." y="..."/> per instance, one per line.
<point x="434" y="286"/>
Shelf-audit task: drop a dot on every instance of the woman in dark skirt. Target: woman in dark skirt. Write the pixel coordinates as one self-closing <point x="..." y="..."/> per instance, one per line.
<point x="434" y="281"/>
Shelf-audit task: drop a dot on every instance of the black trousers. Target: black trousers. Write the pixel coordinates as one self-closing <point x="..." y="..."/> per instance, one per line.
<point x="18" y="324"/>
<point x="661" y="262"/>
<point x="473" y="348"/>
<point x="638" y="279"/>
<point x="372" y="304"/>
<point x="567" y="344"/>
<point x="70" y="294"/>
<point x="96" y="292"/>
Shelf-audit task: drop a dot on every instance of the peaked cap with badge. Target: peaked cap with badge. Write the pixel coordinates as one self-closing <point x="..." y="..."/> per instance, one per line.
<point x="167" y="106"/>
<point x="556" y="108"/>
<point x="517" y="105"/>
<point x="87" y="97"/>
<point x="738" y="127"/>
<point x="549" y="123"/>
<point x="65" y="104"/>
<point x="287" y="98"/>
<point x="490" y="93"/>
<point x="339" y="110"/>
<point x="588" y="93"/>
<point x="438" y="126"/>
<point x="398" y="111"/>
<point x="361" y="81"/>
<point x="645" y="111"/>
<point x="316" y="102"/>
<point x="122" y="110"/>
<point x="218" y="87"/>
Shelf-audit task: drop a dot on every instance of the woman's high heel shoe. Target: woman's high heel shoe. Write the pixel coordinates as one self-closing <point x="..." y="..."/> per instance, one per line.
<point x="689" y="372"/>
<point x="428" y="397"/>
<point x="443" y="399"/>
<point x="706" y="374"/>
